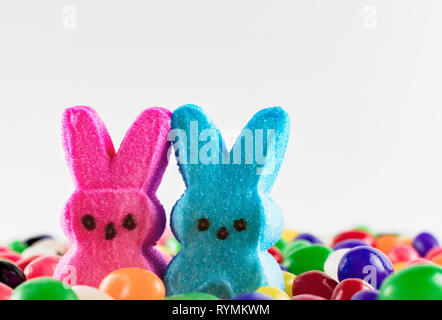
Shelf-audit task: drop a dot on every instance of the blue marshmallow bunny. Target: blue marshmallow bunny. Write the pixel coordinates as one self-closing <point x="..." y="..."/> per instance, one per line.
<point x="226" y="220"/>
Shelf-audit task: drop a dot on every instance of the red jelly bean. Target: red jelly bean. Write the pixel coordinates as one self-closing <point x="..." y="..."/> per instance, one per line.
<point x="274" y="251"/>
<point x="307" y="297"/>
<point x="43" y="266"/>
<point x="433" y="252"/>
<point x="11" y="256"/>
<point x="355" y="235"/>
<point x="5" y="291"/>
<point x="4" y="250"/>
<point x="348" y="287"/>
<point x="22" y="263"/>
<point x="314" y="283"/>
<point x="402" y="253"/>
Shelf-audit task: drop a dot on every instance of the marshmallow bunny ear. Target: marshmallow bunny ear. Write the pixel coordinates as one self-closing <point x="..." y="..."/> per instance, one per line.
<point x="198" y="144"/>
<point x="259" y="150"/>
<point x="88" y="146"/>
<point x="142" y="157"/>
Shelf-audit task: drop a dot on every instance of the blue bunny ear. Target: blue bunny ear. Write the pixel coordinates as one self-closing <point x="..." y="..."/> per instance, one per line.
<point x="259" y="150"/>
<point x="198" y="144"/>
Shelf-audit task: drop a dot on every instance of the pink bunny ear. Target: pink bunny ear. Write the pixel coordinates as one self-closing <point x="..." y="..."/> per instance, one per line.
<point x="88" y="146"/>
<point x="142" y="157"/>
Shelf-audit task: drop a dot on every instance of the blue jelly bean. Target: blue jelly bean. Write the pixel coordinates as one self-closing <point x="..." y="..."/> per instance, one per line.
<point x="366" y="263"/>
<point x="366" y="295"/>
<point x="348" y="244"/>
<point x="424" y="242"/>
<point x="253" y="296"/>
<point x="308" y="237"/>
<point x="283" y="268"/>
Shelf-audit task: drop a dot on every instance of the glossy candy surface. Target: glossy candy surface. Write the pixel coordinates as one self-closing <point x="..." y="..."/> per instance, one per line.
<point x="254" y="296"/>
<point x="43" y="266"/>
<point x="348" y="244"/>
<point x="10" y="274"/>
<point x="315" y="283"/>
<point x="331" y="265"/>
<point x="5" y="291"/>
<point x="418" y="282"/>
<point x="355" y="235"/>
<point x="348" y="287"/>
<point x="274" y="251"/>
<point x="275" y="293"/>
<point x="365" y="263"/>
<point x="301" y="297"/>
<point x="90" y="293"/>
<point x="288" y="281"/>
<point x="308" y="237"/>
<point x="309" y="258"/>
<point x="424" y="242"/>
<point x="386" y="242"/>
<point x="133" y="284"/>
<point x="43" y="289"/>
<point x="366" y="295"/>
<point x="402" y="253"/>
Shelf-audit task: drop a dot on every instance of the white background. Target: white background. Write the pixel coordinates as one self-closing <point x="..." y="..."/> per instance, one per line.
<point x="361" y="81"/>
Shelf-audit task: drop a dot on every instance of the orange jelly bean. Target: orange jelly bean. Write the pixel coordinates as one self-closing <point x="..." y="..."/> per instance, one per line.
<point x="387" y="242"/>
<point x="133" y="284"/>
<point x="437" y="259"/>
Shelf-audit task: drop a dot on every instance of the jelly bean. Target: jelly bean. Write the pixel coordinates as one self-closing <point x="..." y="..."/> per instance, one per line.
<point x="355" y="235"/>
<point x="276" y="254"/>
<point x="365" y="263"/>
<point x="30" y="241"/>
<point x="301" y="297"/>
<point x="362" y="228"/>
<point x="90" y="293"/>
<point x="314" y="282"/>
<point x="283" y="268"/>
<point x="43" y="289"/>
<point x="424" y="242"/>
<point x="46" y="246"/>
<point x="437" y="259"/>
<point x="418" y="282"/>
<point x="281" y="244"/>
<point x="309" y="258"/>
<point x="17" y="246"/>
<point x="5" y="291"/>
<point x="366" y="295"/>
<point x="165" y="252"/>
<point x="308" y="237"/>
<point x="133" y="284"/>
<point x="433" y="252"/>
<point x="10" y="274"/>
<point x="289" y="235"/>
<point x="401" y="253"/>
<point x="346" y="289"/>
<point x="386" y="242"/>
<point x="192" y="296"/>
<point x="43" y="266"/>
<point x="399" y="266"/>
<point x="173" y="245"/>
<point x="253" y="296"/>
<point x="22" y="263"/>
<point x="331" y="265"/>
<point x="291" y="248"/>
<point x="288" y="282"/>
<point x="167" y="234"/>
<point x="11" y="256"/>
<point x="4" y="249"/>
<point x="275" y="293"/>
<point x="351" y="243"/>
<point x="418" y="261"/>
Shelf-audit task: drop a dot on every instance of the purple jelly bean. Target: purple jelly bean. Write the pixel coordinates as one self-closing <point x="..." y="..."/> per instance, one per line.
<point x="308" y="237"/>
<point x="348" y="244"/>
<point x="424" y="242"/>
<point x="284" y="268"/>
<point x="10" y="274"/>
<point x="253" y="296"/>
<point x="365" y="263"/>
<point x="366" y="295"/>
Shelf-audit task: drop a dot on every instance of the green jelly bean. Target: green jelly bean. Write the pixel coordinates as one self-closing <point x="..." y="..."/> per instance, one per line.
<point x="281" y="244"/>
<point x="309" y="258"/>
<point x="363" y="228"/>
<point x="173" y="245"/>
<point x="192" y="296"/>
<point x="43" y="289"/>
<point x="418" y="282"/>
<point x="17" y="246"/>
<point x="291" y="248"/>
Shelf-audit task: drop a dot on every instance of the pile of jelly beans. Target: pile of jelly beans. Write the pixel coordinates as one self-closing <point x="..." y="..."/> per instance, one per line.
<point x="356" y="265"/>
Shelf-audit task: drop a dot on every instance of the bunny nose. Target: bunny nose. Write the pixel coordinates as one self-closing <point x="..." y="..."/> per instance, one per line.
<point x="110" y="231"/>
<point x="222" y="233"/>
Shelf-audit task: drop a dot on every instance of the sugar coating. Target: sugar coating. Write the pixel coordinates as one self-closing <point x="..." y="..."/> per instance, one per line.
<point x="224" y="192"/>
<point x="109" y="187"/>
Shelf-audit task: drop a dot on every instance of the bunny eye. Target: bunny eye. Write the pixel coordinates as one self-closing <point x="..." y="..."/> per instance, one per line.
<point x="129" y="222"/>
<point x="203" y="224"/>
<point x="88" y="222"/>
<point x="240" y="225"/>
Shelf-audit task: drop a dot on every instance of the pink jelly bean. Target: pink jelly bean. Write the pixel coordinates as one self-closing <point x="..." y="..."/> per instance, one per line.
<point x="307" y="297"/>
<point x="402" y="253"/>
<point x="433" y="252"/>
<point x="11" y="256"/>
<point x="4" y="249"/>
<point x="5" y="291"/>
<point x="418" y="261"/>
<point x="43" y="266"/>
<point x="23" y="263"/>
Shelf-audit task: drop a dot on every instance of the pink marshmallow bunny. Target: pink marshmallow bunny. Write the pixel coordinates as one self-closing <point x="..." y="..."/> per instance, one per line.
<point x="114" y="219"/>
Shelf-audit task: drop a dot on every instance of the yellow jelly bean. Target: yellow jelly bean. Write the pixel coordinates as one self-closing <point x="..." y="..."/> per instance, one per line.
<point x="275" y="293"/>
<point x="289" y="235"/>
<point x="288" y="281"/>
<point x="399" y="266"/>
